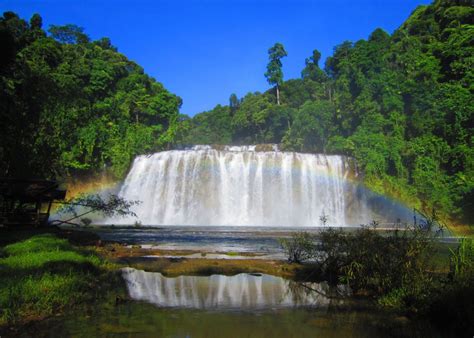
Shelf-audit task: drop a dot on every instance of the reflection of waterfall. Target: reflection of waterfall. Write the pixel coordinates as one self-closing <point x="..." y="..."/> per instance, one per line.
<point x="242" y="186"/>
<point x="217" y="291"/>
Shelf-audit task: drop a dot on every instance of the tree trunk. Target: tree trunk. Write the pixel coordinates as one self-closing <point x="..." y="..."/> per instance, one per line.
<point x="278" y="95"/>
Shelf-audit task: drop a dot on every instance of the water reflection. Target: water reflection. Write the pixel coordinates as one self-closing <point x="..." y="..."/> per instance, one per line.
<point x="242" y="291"/>
<point x="272" y="307"/>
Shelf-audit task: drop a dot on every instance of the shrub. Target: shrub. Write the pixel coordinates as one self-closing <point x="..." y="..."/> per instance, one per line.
<point x="299" y="248"/>
<point x="332" y="252"/>
<point x="366" y="259"/>
<point x="394" y="268"/>
<point x="385" y="263"/>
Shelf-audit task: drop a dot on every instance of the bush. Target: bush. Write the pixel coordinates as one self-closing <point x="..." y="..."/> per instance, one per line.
<point x="299" y="248"/>
<point x="394" y="268"/>
<point x="381" y="264"/>
<point x="369" y="261"/>
<point x="332" y="253"/>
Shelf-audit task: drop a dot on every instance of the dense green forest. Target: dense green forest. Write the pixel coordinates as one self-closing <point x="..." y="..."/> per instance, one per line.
<point x="401" y="104"/>
<point x="70" y="105"/>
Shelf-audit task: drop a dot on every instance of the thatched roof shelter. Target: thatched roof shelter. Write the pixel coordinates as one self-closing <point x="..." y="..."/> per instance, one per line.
<point x="27" y="201"/>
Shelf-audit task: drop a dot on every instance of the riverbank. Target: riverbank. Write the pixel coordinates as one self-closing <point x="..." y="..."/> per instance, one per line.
<point x="42" y="274"/>
<point x="50" y="272"/>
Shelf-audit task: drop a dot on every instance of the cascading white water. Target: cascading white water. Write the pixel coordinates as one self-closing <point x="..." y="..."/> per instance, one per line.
<point x="243" y="186"/>
<point x="221" y="292"/>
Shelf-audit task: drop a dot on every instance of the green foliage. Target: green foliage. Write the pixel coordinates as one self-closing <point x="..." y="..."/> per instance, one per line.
<point x="377" y="263"/>
<point x="299" y="248"/>
<point x="44" y="275"/>
<point x="274" y="72"/>
<point x="249" y="121"/>
<point x="462" y="260"/>
<point x="312" y="70"/>
<point x="212" y="127"/>
<point x="397" y="269"/>
<point x="46" y="243"/>
<point x="391" y="266"/>
<point x="68" y="34"/>
<point x="386" y="263"/>
<point x="311" y="127"/>
<point x="72" y="106"/>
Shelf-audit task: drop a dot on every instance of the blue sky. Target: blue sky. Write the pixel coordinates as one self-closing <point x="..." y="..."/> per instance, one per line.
<point x="205" y="50"/>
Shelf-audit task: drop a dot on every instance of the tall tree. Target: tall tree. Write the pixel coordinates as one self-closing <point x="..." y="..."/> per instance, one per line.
<point x="312" y="70"/>
<point x="274" y="74"/>
<point x="233" y="103"/>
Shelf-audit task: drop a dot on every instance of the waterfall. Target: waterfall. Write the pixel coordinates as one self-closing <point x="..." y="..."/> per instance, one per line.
<point x="221" y="292"/>
<point x="243" y="186"/>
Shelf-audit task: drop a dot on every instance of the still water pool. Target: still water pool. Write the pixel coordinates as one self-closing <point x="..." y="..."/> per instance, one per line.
<point x="245" y="305"/>
<point x="140" y="319"/>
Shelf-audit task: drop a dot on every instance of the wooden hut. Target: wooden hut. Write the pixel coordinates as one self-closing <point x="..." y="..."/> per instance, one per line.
<point x="27" y="201"/>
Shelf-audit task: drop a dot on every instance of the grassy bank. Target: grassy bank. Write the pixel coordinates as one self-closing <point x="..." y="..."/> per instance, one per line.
<point x="43" y="275"/>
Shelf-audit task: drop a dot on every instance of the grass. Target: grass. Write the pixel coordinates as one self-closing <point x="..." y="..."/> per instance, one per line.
<point x="45" y="275"/>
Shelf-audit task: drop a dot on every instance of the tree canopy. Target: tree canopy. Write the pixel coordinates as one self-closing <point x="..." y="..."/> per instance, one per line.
<point x="70" y="105"/>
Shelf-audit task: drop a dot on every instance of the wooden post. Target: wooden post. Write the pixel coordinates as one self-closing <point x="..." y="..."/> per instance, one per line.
<point x="38" y="211"/>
